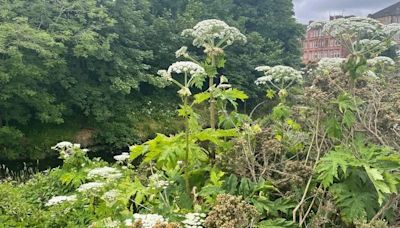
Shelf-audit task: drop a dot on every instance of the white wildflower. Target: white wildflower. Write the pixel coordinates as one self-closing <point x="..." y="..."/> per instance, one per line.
<point x="224" y="86"/>
<point x="392" y="29"/>
<point x="279" y="75"/>
<point x="110" y="197"/>
<point x="371" y="74"/>
<point x="263" y="80"/>
<point x="147" y="220"/>
<point x="381" y="61"/>
<point x="105" y="172"/>
<point x="91" y="186"/>
<point x="157" y="182"/>
<point x="330" y="65"/>
<point x="128" y="222"/>
<point x="194" y="220"/>
<point x="263" y="68"/>
<point x="223" y="79"/>
<point x="316" y="25"/>
<point x="186" y="67"/>
<point x="164" y="74"/>
<point x="352" y="28"/>
<point x="182" y="52"/>
<point x="184" y="92"/>
<point x="214" y="30"/>
<point x="370" y="45"/>
<point x="62" y="146"/>
<point x="66" y="149"/>
<point x="60" y="199"/>
<point x="122" y="157"/>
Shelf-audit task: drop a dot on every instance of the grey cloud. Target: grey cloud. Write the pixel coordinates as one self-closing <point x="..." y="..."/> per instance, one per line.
<point x="307" y="10"/>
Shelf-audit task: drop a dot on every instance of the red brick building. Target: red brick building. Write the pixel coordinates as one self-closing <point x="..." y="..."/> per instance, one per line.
<point x="317" y="45"/>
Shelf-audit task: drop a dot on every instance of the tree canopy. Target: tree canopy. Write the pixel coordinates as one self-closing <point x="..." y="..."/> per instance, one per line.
<point x="95" y="61"/>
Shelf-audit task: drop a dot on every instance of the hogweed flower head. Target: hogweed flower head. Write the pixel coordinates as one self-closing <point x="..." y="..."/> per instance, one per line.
<point x="316" y="25"/>
<point x="66" y="149"/>
<point x="391" y="29"/>
<point x="122" y="157"/>
<point x="381" y="61"/>
<point x="353" y="27"/>
<point x="157" y="182"/>
<point x="214" y="32"/>
<point x="194" y="220"/>
<point x="146" y="220"/>
<point x="330" y="65"/>
<point x="55" y="200"/>
<point x="110" y="197"/>
<point x="91" y="186"/>
<point x="184" y="92"/>
<point x="105" y="173"/>
<point x="62" y="146"/>
<point x="278" y="75"/>
<point x="191" y="69"/>
<point x="186" y="67"/>
<point x="359" y="34"/>
<point x="368" y="45"/>
<point x="182" y="52"/>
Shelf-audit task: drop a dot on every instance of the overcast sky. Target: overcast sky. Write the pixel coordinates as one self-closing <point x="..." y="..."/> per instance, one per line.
<point x="307" y="10"/>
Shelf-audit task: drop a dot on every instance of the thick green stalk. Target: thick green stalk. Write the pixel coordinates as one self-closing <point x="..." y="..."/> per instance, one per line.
<point x="212" y="105"/>
<point x="212" y="108"/>
<point x="186" y="177"/>
<point x="187" y="150"/>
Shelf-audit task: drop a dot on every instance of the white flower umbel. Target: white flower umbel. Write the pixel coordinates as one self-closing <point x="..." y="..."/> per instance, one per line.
<point x="192" y="71"/>
<point x="156" y="181"/>
<point x="214" y="33"/>
<point x="110" y="197"/>
<point x="122" y="157"/>
<point x="351" y="31"/>
<point x="66" y="149"/>
<point x="62" y="146"/>
<point x="60" y="199"/>
<point x="279" y="76"/>
<point x="391" y="29"/>
<point x="330" y="65"/>
<point x="91" y="186"/>
<point x="381" y="61"/>
<point x="353" y="27"/>
<point x="186" y="67"/>
<point x="316" y="25"/>
<point x="182" y="52"/>
<point x="370" y="46"/>
<point x="147" y="220"/>
<point x="194" y="220"/>
<point x="105" y="172"/>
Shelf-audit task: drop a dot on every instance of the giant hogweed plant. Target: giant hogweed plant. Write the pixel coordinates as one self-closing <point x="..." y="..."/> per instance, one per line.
<point x="189" y="154"/>
<point x="351" y="157"/>
<point x="364" y="38"/>
<point x="166" y="152"/>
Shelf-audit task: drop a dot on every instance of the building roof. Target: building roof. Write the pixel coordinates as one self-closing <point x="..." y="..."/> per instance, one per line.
<point x="393" y="10"/>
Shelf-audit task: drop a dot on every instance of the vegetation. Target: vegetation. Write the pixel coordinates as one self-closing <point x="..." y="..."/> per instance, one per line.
<point x="86" y="69"/>
<point x="325" y="155"/>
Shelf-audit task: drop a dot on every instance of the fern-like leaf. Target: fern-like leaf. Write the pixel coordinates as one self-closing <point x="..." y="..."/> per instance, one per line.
<point x="329" y="166"/>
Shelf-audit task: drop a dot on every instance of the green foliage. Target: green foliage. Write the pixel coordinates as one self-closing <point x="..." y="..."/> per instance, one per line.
<point x="63" y="60"/>
<point x="352" y="174"/>
<point x="276" y="223"/>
